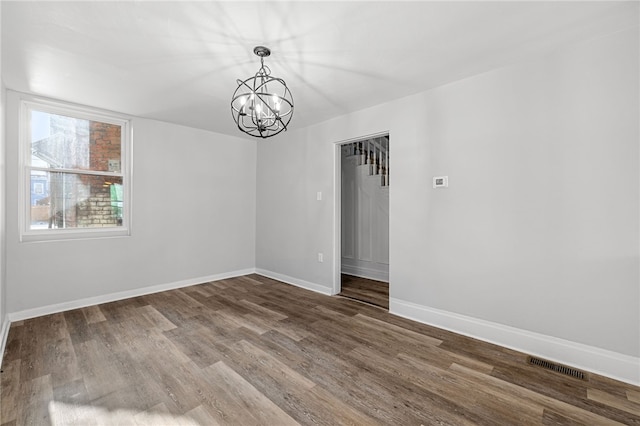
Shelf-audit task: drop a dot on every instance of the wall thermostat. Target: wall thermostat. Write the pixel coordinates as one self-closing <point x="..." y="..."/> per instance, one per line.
<point x="440" y="181"/>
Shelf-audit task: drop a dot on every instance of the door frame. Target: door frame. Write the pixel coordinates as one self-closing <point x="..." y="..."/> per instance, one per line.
<point x="337" y="205"/>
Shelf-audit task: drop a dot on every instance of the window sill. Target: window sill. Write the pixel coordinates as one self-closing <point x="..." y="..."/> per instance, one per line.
<point x="73" y="234"/>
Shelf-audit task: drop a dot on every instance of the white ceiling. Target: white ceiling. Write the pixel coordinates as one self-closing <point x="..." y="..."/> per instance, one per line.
<point x="179" y="61"/>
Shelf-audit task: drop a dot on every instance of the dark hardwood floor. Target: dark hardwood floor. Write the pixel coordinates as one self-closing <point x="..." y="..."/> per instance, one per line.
<point x="366" y="290"/>
<point x="251" y="350"/>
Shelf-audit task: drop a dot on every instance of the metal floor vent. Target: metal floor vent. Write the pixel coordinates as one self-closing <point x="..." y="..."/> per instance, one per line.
<point x="559" y="368"/>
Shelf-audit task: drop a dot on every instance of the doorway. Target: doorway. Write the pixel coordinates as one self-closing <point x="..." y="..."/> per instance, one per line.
<point x="364" y="220"/>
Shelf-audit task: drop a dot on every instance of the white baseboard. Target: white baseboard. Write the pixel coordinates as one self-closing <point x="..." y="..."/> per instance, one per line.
<point x="365" y="269"/>
<point x="617" y="366"/>
<point x="365" y="273"/>
<point x="295" y="281"/>
<point x="4" y="334"/>
<point x="112" y="297"/>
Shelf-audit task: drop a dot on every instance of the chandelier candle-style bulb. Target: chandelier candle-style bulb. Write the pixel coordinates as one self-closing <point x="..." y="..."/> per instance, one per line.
<point x="262" y="105"/>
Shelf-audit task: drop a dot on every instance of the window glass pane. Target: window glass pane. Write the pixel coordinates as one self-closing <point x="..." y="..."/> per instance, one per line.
<point x="73" y="200"/>
<point x="59" y="141"/>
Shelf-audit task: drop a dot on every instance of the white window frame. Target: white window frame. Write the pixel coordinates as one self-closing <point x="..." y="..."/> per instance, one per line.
<point x="27" y="104"/>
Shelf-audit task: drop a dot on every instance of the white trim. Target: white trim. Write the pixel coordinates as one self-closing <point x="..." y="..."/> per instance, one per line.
<point x="74" y="234"/>
<point x="296" y="282"/>
<point x="78" y="171"/>
<point x="611" y="364"/>
<point x="337" y="220"/>
<point x="112" y="297"/>
<point x="337" y="205"/>
<point x="362" y="138"/>
<point x="4" y="335"/>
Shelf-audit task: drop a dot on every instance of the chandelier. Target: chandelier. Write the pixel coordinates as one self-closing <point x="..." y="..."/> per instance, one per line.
<point x="262" y="105"/>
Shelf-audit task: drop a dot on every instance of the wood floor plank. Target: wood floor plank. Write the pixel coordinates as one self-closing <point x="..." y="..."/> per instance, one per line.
<point x="552" y="418"/>
<point x="261" y="311"/>
<point x="9" y="390"/>
<point x="213" y="303"/>
<point x="214" y="399"/>
<point x="38" y="394"/>
<point x="218" y="403"/>
<point x="247" y="322"/>
<point x="77" y="326"/>
<point x="93" y="314"/>
<point x="73" y="392"/>
<point x="393" y="332"/>
<point x="61" y="361"/>
<point x="319" y="406"/>
<point x="366" y="290"/>
<point x="15" y="339"/>
<point x="200" y="416"/>
<point x="292" y="329"/>
<point x="198" y="346"/>
<point x="170" y="386"/>
<point x="614" y="401"/>
<point x="439" y="388"/>
<point x="329" y="367"/>
<point x="435" y="355"/>
<point x="34" y="345"/>
<point x="495" y="385"/>
<point x="74" y="415"/>
<point x="155" y="344"/>
<point x="253" y="350"/>
<point x="66" y="414"/>
<point x="200" y="292"/>
<point x="177" y="306"/>
<point x="121" y="309"/>
<point x="103" y="376"/>
<point x="258" y="362"/>
<point x="218" y="327"/>
<point x="129" y="370"/>
<point x="252" y="400"/>
<point x="158" y="320"/>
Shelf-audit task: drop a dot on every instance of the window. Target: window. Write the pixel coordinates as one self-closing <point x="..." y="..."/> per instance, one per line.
<point x="76" y="172"/>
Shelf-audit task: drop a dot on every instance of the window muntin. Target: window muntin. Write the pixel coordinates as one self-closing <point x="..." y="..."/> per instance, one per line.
<point x="76" y="173"/>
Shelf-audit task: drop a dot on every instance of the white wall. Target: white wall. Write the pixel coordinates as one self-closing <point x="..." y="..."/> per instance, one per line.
<point x="4" y="321"/>
<point x="289" y="218"/>
<point x="536" y="238"/>
<point x="3" y="311"/>
<point x="193" y="218"/>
